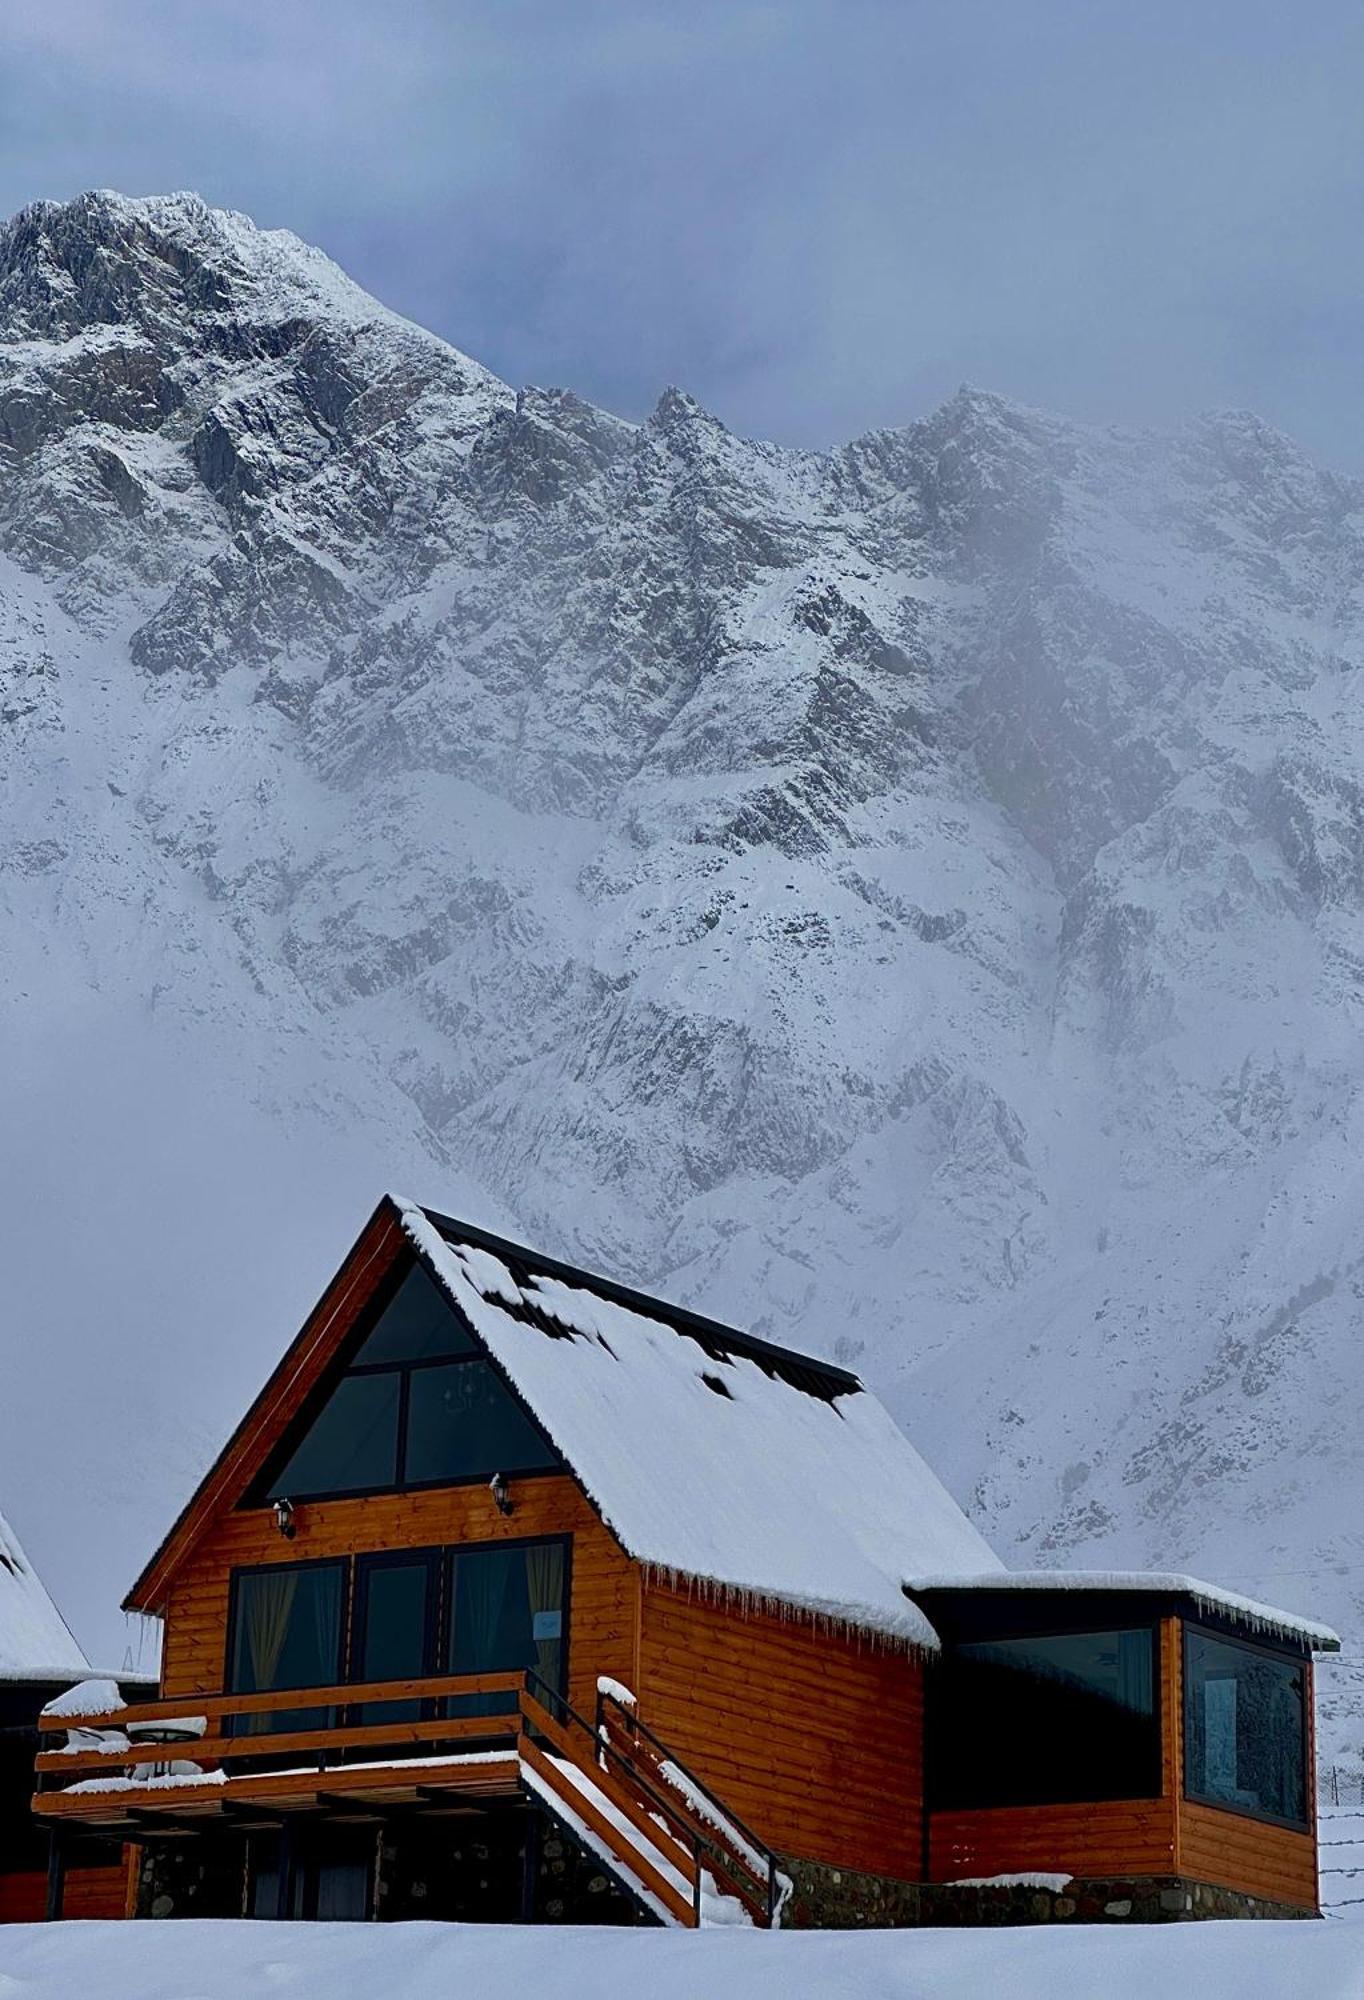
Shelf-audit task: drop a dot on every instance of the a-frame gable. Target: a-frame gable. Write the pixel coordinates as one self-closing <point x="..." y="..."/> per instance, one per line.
<point x="295" y="1385"/>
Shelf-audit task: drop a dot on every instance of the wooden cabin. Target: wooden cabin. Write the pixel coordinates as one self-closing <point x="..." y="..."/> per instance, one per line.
<point x="519" y="1595"/>
<point x="39" y="1661"/>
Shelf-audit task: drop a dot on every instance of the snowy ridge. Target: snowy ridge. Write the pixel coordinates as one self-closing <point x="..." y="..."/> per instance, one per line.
<point x="907" y="900"/>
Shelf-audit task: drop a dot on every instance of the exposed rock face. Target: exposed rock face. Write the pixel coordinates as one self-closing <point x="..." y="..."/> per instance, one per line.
<point x="909" y="899"/>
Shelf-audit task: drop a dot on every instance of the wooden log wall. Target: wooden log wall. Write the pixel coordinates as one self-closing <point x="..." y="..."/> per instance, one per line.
<point x="814" y="1738"/>
<point x="604" y="1587"/>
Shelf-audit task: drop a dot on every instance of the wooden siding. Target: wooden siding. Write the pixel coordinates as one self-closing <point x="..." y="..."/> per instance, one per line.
<point x="1112" y="1837"/>
<point x="604" y="1588"/>
<point x="23" y="1897"/>
<point x="1237" y="1852"/>
<point x="88" y="1892"/>
<point x="814" y="1738"/>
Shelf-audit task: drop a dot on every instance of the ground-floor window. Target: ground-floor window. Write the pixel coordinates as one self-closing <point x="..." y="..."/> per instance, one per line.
<point x="330" y="1875"/>
<point x="1245" y="1727"/>
<point x="1047" y="1718"/>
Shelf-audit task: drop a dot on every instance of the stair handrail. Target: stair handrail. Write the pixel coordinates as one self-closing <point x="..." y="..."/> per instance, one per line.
<point x="691" y="1831"/>
<point x="725" y="1817"/>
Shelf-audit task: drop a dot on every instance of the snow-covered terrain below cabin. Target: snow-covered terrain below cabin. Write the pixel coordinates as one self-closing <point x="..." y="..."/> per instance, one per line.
<point x="224" y="1961"/>
<point x="908" y="900"/>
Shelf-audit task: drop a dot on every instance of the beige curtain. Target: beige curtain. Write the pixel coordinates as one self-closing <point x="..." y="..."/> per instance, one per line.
<point x="545" y="1588"/>
<point x="269" y="1604"/>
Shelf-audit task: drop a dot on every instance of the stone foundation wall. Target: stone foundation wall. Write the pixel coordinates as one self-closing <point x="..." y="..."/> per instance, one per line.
<point x="825" y="1898"/>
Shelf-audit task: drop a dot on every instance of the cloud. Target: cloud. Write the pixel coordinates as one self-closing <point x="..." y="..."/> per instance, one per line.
<point x="818" y="217"/>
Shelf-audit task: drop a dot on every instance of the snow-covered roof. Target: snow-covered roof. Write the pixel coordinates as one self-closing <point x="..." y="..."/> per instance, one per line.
<point x="1209" y="1597"/>
<point x="35" y="1641"/>
<point x="712" y="1456"/>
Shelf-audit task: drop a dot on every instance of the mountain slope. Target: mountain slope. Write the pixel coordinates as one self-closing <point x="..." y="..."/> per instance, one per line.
<point x="909" y="899"/>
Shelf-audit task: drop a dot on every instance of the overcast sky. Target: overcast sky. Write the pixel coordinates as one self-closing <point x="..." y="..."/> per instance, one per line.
<point x="817" y="217"/>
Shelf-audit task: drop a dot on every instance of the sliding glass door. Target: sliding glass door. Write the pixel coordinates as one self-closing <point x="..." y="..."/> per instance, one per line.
<point x="504" y="1612"/>
<point x="393" y="1636"/>
<point x="286" y="1633"/>
<point x="410" y="1614"/>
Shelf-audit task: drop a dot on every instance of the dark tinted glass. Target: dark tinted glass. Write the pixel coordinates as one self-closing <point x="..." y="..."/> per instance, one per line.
<point x="1038" y="1721"/>
<point x="1244" y="1727"/>
<point x="505" y="1613"/>
<point x="353" y="1442"/>
<point x="418" y="1324"/>
<point x="286" y="1633"/>
<point x="462" y="1421"/>
<point x="390" y="1642"/>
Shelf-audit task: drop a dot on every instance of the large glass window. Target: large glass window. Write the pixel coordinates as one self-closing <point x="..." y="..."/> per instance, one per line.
<point x="1245" y="1727"/>
<point x="1046" y="1719"/>
<point x="419" y="1404"/>
<point x="505" y="1612"/>
<point x="286" y="1633"/>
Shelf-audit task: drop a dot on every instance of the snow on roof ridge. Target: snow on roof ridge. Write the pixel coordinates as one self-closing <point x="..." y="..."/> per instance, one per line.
<point x="757" y="1490"/>
<point x="1210" y="1596"/>
<point x="36" y="1643"/>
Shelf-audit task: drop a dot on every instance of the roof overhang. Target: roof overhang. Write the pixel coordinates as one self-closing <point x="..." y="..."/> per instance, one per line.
<point x="961" y="1606"/>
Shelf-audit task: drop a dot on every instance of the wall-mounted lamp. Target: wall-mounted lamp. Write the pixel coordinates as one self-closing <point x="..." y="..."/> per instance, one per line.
<point x="501" y="1492"/>
<point x="284" y="1519"/>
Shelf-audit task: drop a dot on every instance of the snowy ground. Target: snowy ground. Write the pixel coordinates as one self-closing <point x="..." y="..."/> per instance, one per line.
<point x="230" y="1961"/>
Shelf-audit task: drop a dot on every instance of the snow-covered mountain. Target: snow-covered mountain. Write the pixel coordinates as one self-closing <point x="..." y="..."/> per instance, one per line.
<point x="909" y="900"/>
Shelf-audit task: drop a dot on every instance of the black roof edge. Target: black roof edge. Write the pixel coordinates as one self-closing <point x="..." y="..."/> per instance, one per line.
<point x="686" y="1321"/>
<point x="1296" y="1635"/>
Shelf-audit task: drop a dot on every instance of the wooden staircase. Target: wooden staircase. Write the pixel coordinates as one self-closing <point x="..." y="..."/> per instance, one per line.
<point x="675" y="1846"/>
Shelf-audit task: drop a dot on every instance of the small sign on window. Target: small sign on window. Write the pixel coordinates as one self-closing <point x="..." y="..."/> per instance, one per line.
<point x="547" y="1625"/>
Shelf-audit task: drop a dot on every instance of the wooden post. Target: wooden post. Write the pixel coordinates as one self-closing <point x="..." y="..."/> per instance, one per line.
<point x="56" y="1873"/>
<point x="284" y="1886"/>
<point x="530" y="1864"/>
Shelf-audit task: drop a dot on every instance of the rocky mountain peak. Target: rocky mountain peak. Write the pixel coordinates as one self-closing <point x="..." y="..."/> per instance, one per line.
<point x="908" y="899"/>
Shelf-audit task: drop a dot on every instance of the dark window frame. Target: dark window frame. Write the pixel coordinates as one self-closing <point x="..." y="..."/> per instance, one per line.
<point x="451" y="1550"/>
<point x="1285" y="1656"/>
<point x="440" y="1557"/>
<point x="345" y="1563"/>
<point x="260" y="1493"/>
<point x="1080" y="1629"/>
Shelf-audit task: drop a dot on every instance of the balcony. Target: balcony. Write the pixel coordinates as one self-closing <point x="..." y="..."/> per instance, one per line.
<point x="220" y="1763"/>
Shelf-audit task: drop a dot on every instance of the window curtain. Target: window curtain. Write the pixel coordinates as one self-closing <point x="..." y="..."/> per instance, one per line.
<point x="545" y="1588"/>
<point x="268" y="1603"/>
<point x="1135" y="1690"/>
<point x="327" y="1621"/>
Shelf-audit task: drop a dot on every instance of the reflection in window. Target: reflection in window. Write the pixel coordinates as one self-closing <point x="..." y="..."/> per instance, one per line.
<point x="419" y="1404"/>
<point x="1244" y="1727"/>
<point x="1041" y="1720"/>
<point x="462" y="1422"/>
<point x="286" y="1633"/>
<point x="505" y="1612"/>
<point x="352" y="1446"/>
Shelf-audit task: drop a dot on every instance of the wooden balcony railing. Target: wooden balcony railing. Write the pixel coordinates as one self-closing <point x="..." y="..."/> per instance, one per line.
<point x="670" y="1835"/>
<point x="238" y="1750"/>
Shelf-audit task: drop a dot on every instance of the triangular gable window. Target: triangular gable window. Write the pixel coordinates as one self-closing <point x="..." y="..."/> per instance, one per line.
<point x="418" y="1403"/>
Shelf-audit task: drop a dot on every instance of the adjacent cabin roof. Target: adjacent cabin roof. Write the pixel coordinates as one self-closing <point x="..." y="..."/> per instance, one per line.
<point x="1188" y="1592"/>
<point x="711" y="1455"/>
<point x="35" y="1641"/>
